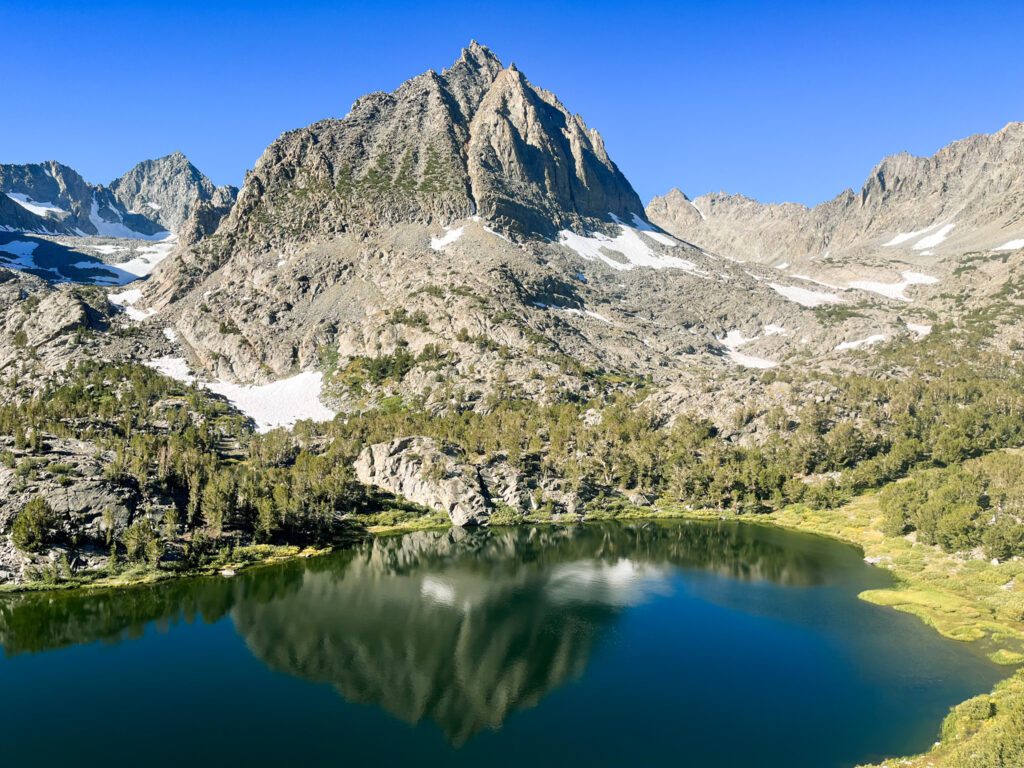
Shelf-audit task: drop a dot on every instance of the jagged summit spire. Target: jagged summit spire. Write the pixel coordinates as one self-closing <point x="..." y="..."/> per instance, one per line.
<point x="478" y="53"/>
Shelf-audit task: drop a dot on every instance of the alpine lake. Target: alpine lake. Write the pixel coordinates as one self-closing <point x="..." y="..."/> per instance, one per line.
<point x="675" y="643"/>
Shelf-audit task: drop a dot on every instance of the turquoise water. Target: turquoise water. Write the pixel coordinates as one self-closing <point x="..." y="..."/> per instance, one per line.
<point x="684" y="644"/>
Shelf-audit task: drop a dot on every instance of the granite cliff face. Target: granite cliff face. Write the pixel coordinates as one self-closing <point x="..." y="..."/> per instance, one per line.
<point x="476" y="139"/>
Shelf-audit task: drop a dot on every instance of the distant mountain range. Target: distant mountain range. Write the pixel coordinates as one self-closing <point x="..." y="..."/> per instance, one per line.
<point x="151" y="201"/>
<point x="969" y="196"/>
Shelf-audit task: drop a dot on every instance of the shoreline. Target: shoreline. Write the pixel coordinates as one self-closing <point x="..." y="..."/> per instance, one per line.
<point x="966" y="600"/>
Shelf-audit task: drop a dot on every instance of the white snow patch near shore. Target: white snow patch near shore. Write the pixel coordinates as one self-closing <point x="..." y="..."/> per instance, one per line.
<point x="1012" y="245"/>
<point x="35" y="206"/>
<point x="805" y="297"/>
<point x="280" y="403"/>
<point x="858" y="343"/>
<point x="449" y="237"/>
<point x="895" y="290"/>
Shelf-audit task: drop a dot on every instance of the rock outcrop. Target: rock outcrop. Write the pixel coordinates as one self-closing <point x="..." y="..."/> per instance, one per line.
<point x="423" y="472"/>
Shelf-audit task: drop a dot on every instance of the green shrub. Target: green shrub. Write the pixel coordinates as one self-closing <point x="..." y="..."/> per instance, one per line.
<point x="35" y="526"/>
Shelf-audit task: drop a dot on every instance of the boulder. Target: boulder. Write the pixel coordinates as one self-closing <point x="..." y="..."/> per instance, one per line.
<point x="424" y="472"/>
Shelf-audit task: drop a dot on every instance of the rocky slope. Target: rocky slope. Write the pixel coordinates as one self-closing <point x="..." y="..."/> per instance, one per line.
<point x="465" y="240"/>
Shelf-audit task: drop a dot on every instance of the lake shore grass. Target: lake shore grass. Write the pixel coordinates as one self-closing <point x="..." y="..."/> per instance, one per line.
<point x="965" y="599"/>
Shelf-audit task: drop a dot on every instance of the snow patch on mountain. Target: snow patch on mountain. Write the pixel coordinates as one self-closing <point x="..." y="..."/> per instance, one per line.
<point x="21" y="251"/>
<point x="904" y="237"/>
<point x="934" y="239"/>
<point x="895" y="290"/>
<point x="280" y="403"/>
<point x="858" y="343"/>
<point x="805" y="297"/>
<point x="106" y="228"/>
<point x="35" y="206"/>
<point x="629" y="245"/>
<point x="449" y="237"/>
<point x="733" y="340"/>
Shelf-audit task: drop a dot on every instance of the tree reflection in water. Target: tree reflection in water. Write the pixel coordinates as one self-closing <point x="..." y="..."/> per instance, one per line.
<point x="457" y="627"/>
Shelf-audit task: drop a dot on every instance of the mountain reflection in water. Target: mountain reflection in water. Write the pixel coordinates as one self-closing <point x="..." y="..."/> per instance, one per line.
<point x="457" y="627"/>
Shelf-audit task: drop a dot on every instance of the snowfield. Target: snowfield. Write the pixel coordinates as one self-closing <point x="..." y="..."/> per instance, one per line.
<point x="117" y="229"/>
<point x="632" y="249"/>
<point x="934" y="239"/>
<point x="22" y="251"/>
<point x="280" y="403"/>
<point x="1012" y="245"/>
<point x="926" y="240"/>
<point x="805" y="297"/>
<point x="858" y="343"/>
<point x="147" y="259"/>
<point x="732" y="342"/>
<point x="895" y="290"/>
<point x="35" y="206"/>
<point x="449" y="237"/>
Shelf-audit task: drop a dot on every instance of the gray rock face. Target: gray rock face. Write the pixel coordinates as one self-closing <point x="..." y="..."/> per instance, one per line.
<point x="167" y="190"/>
<point x="85" y="508"/>
<point x="420" y="470"/>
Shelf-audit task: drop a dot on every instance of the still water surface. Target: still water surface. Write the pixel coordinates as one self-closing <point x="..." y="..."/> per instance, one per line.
<point x="683" y="644"/>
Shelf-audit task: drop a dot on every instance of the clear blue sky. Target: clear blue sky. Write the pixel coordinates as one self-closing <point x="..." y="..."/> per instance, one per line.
<point x="779" y="100"/>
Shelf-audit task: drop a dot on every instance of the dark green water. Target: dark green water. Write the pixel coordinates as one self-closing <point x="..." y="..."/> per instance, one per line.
<point x="684" y="644"/>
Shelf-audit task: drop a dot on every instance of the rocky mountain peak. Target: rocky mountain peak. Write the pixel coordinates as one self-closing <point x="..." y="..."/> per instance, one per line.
<point x="165" y="189"/>
<point x="478" y="138"/>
